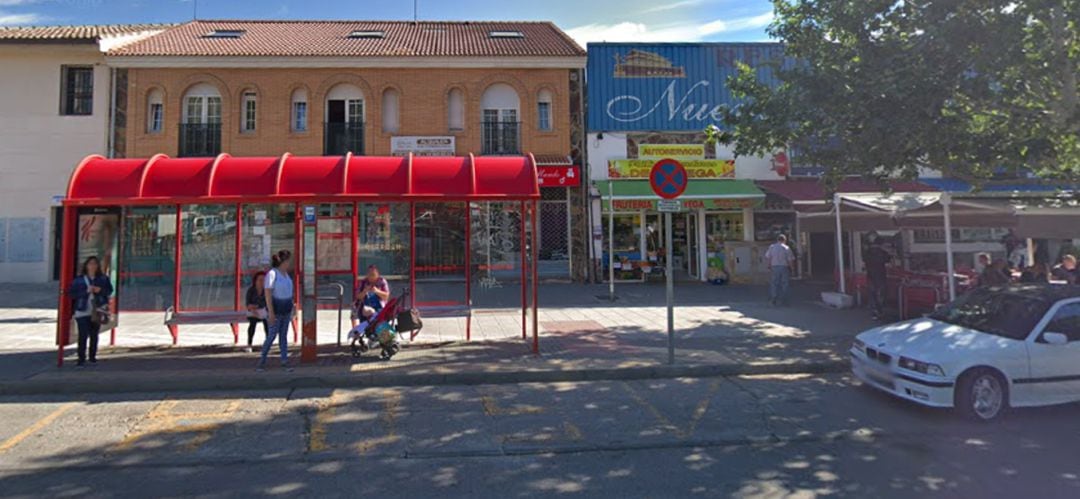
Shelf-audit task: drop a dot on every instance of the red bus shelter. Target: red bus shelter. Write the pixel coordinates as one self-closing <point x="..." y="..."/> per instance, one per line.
<point x="187" y="233"/>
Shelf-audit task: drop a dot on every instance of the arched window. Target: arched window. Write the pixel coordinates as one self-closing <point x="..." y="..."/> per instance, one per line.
<point x="543" y="110"/>
<point x="202" y="105"/>
<point x="455" y="109"/>
<point x="155" y="111"/>
<point x="299" y="118"/>
<point x="500" y="111"/>
<point x="345" y="104"/>
<point x="391" y="112"/>
<point x="248" y="111"/>
<point x="344" y="128"/>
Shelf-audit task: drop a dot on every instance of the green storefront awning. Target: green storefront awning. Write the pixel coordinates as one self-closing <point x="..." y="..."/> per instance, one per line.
<point x="707" y="194"/>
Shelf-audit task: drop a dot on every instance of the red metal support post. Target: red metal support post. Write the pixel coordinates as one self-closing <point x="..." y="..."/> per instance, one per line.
<point x="114" y="301"/>
<point x="67" y="272"/>
<point x="535" y="281"/>
<point x="176" y="271"/>
<point x="468" y="270"/>
<point x="355" y="246"/>
<point x="412" y="251"/>
<point x="239" y="279"/>
<point x="524" y="276"/>
<point x="298" y="271"/>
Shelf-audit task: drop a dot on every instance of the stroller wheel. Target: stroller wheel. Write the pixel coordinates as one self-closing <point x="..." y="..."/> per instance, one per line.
<point x="385" y="355"/>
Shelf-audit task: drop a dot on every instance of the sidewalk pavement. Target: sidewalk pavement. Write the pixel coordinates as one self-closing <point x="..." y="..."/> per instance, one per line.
<point x="720" y="330"/>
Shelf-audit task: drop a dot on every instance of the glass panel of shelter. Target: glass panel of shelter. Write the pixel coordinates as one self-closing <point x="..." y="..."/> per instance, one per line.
<point x="440" y="241"/>
<point x="208" y="257"/>
<point x="495" y="234"/>
<point x="148" y="251"/>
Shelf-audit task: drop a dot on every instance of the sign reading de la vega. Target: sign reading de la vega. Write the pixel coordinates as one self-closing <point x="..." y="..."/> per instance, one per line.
<point x="696" y="168"/>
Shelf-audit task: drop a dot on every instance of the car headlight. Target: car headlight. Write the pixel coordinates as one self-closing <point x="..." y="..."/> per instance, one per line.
<point x="858" y="345"/>
<point x="921" y="367"/>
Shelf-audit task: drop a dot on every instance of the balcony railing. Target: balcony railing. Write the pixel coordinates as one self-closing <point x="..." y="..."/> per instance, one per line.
<point x="501" y="137"/>
<point x="200" y="140"/>
<point x="341" y="138"/>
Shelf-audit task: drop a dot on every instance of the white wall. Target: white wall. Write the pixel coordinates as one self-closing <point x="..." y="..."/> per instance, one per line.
<point x="38" y="147"/>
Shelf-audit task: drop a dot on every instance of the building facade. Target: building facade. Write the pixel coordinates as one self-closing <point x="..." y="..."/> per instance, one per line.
<point x="653" y="101"/>
<point x="267" y="88"/>
<point x="55" y="99"/>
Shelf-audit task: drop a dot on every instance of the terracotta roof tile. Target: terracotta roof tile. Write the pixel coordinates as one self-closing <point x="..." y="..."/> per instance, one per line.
<point x="88" y="33"/>
<point x="330" y="39"/>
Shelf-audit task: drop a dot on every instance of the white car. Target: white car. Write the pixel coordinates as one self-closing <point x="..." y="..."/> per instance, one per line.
<point x="991" y="349"/>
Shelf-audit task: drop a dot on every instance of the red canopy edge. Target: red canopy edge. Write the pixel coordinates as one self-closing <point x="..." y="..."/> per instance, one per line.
<point x="161" y="179"/>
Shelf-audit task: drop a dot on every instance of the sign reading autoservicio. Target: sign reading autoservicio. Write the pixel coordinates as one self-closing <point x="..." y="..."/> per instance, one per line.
<point x="422" y="146"/>
<point x="668" y="87"/>
<point x="681" y="152"/>
<point x="697" y="168"/>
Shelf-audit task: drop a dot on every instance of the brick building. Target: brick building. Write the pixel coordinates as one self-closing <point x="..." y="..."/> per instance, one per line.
<point x="265" y="88"/>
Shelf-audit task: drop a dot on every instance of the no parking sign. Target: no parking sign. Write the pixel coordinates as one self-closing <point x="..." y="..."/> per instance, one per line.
<point x="668" y="178"/>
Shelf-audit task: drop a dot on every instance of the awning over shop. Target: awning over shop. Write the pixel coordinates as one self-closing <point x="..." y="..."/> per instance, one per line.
<point x="998" y="187"/>
<point x="161" y="179"/>
<point x="810" y="195"/>
<point x="704" y="194"/>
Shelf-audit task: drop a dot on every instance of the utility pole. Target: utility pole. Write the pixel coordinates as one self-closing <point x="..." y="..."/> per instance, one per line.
<point x="195" y="10"/>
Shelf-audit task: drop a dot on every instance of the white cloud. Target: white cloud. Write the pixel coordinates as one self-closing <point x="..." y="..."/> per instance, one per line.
<point x="678" y="32"/>
<point x="666" y="6"/>
<point x="18" y="19"/>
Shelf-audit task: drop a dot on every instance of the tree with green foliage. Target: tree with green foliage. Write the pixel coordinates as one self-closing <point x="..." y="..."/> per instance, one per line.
<point x="884" y="88"/>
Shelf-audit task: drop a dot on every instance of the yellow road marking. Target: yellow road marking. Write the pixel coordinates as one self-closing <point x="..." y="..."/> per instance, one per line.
<point x="389" y="418"/>
<point x="162" y="420"/>
<point x="317" y="433"/>
<point x="36" y="427"/>
<point x="492" y="408"/>
<point x="699" y="411"/>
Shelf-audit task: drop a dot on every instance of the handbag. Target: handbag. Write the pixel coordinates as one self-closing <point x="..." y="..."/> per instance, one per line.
<point x="99" y="315"/>
<point x="409" y="320"/>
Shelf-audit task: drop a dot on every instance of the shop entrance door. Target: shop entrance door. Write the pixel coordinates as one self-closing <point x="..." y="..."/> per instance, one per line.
<point x="693" y="265"/>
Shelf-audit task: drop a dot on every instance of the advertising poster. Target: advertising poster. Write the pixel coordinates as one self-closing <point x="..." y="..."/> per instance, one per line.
<point x="98" y="234"/>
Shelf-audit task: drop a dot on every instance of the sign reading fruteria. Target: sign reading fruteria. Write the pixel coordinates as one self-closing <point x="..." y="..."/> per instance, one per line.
<point x="422" y="146"/>
<point x="681" y="152"/>
<point x="687" y="204"/>
<point x="698" y="168"/>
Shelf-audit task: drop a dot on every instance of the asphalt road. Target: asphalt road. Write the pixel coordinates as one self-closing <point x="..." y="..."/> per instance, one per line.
<point x="790" y="436"/>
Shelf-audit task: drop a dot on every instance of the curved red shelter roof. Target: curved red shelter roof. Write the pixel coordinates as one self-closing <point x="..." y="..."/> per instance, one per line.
<point x="161" y="179"/>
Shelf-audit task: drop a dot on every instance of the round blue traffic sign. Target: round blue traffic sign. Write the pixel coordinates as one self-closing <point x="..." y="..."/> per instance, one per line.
<point x="668" y="178"/>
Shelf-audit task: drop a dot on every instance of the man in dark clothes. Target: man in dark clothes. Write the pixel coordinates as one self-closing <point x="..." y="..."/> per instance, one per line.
<point x="876" y="259"/>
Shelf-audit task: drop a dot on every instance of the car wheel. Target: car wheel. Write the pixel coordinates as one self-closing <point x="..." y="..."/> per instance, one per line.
<point x="982" y="395"/>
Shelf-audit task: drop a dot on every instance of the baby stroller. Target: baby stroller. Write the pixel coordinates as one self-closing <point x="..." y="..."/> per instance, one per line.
<point x="381" y="331"/>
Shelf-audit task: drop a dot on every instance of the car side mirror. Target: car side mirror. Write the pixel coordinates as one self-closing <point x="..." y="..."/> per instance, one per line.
<point x="1055" y="338"/>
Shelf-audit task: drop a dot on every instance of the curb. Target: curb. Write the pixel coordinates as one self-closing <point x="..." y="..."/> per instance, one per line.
<point x="368" y="380"/>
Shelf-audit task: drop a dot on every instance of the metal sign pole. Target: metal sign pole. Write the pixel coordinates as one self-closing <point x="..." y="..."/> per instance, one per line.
<point x="611" y="242"/>
<point x="670" y="289"/>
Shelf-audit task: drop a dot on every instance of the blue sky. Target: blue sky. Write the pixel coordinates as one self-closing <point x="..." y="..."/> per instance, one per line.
<point x="585" y="20"/>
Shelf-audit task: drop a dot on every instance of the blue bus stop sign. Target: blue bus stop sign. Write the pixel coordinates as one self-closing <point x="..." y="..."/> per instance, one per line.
<point x="668" y="178"/>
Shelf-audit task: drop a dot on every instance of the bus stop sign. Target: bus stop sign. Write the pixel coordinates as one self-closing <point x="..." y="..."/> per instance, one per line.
<point x="668" y="178"/>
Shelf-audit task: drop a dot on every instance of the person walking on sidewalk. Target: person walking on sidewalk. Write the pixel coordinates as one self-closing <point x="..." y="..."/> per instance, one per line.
<point x="279" y="286"/>
<point x="90" y="292"/>
<point x="256" y="307"/>
<point x="780" y="259"/>
<point x="877" y="259"/>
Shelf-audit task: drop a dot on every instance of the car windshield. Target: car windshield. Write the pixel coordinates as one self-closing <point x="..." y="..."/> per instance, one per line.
<point x="996" y="312"/>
